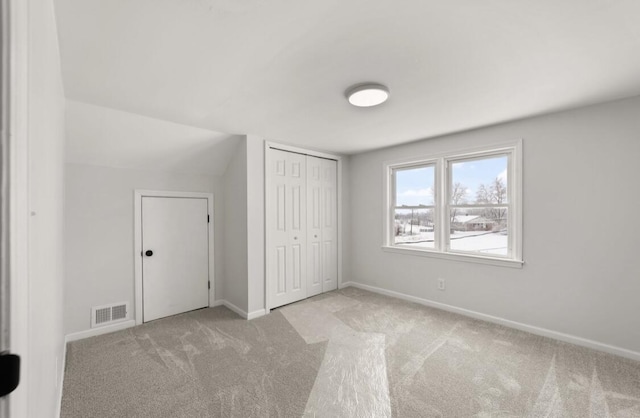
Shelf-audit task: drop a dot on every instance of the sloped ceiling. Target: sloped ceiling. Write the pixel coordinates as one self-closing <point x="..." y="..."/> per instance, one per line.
<point x="279" y="68"/>
<point x="113" y="138"/>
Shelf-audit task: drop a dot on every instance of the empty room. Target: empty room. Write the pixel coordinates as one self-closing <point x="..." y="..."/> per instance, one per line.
<point x="243" y="208"/>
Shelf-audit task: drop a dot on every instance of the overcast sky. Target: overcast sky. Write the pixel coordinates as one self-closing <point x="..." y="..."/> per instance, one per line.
<point x="415" y="186"/>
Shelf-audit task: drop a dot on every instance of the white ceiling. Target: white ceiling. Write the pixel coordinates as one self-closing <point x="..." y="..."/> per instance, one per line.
<point x="113" y="138"/>
<point x="279" y="68"/>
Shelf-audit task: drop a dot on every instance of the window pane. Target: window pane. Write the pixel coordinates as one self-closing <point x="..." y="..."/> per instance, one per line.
<point x="479" y="181"/>
<point x="481" y="230"/>
<point x="414" y="186"/>
<point x="414" y="227"/>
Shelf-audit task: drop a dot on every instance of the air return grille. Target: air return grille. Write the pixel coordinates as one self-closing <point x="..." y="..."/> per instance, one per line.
<point x="108" y="314"/>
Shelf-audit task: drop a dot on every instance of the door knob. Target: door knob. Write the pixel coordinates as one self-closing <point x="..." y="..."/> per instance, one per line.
<point x="148" y="253"/>
<point x="315" y="236"/>
<point x="295" y="237"/>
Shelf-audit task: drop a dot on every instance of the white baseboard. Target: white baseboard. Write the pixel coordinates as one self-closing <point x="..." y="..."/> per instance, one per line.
<point x="622" y="352"/>
<point x="251" y="315"/>
<point x="231" y="307"/>
<point x="99" y="331"/>
<point x="256" y="314"/>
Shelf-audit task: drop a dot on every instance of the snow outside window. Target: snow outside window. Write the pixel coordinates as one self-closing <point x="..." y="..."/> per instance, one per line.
<point x="414" y="209"/>
<point x="465" y="204"/>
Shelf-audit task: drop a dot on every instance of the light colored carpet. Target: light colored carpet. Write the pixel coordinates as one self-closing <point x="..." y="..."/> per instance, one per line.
<point x="348" y="353"/>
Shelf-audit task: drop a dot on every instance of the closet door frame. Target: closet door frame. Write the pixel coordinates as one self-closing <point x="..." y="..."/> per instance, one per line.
<point x="339" y="190"/>
<point x="138" y="194"/>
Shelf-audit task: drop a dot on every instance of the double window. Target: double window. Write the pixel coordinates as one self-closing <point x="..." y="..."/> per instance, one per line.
<point x="462" y="205"/>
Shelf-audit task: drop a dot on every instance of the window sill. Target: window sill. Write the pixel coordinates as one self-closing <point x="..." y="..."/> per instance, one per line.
<point x="468" y="258"/>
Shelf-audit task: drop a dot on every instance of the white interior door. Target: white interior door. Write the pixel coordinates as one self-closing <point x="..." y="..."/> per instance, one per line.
<point x="329" y="213"/>
<point x="287" y="221"/>
<point x="314" y="225"/>
<point x="175" y="259"/>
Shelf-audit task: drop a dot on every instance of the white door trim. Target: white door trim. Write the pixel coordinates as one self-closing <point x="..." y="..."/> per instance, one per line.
<point x="267" y="182"/>
<point x="137" y="247"/>
<point x="14" y="100"/>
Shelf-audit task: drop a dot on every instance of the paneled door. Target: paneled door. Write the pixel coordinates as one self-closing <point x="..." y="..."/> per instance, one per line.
<point x="329" y="221"/>
<point x="315" y="213"/>
<point x="322" y="232"/>
<point x="175" y="256"/>
<point x="287" y="220"/>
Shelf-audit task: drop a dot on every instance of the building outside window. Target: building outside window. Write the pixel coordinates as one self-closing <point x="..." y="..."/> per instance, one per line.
<point x="463" y="204"/>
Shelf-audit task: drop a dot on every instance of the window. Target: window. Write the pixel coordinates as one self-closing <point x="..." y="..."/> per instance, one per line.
<point x="463" y="205"/>
<point x="414" y="214"/>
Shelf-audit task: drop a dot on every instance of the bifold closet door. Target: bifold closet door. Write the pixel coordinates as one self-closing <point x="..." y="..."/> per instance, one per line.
<point x="329" y="221"/>
<point x="314" y="225"/>
<point x="287" y="220"/>
<point x="322" y="233"/>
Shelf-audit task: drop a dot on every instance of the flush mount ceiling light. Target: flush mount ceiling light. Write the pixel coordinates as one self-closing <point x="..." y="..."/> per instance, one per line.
<point x="367" y="95"/>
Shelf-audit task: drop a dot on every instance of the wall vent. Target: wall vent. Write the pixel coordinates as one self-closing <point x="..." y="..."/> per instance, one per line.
<point x="108" y="314"/>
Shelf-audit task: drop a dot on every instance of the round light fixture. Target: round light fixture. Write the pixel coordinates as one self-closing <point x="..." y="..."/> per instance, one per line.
<point x="367" y="95"/>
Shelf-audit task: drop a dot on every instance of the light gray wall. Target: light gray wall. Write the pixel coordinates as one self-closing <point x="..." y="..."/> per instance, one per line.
<point x="43" y="360"/>
<point x="99" y="243"/>
<point x="255" y="223"/>
<point x="235" y="286"/>
<point x="581" y="237"/>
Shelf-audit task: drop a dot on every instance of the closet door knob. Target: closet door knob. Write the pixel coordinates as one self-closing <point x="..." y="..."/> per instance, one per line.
<point x="295" y="237"/>
<point x="315" y="236"/>
<point x="148" y="253"/>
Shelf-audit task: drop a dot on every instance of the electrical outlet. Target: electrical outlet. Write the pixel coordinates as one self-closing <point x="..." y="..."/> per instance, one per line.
<point x="441" y="284"/>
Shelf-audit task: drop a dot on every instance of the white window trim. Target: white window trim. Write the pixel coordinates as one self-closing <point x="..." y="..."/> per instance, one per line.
<point x="442" y="174"/>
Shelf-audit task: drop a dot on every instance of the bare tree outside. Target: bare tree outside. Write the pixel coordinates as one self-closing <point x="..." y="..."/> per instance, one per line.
<point x="476" y="200"/>
<point x="495" y="193"/>
<point x="458" y="197"/>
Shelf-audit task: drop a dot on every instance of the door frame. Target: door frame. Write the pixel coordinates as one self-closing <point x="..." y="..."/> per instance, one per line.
<point x="137" y="239"/>
<point x="14" y="209"/>
<point x="267" y="233"/>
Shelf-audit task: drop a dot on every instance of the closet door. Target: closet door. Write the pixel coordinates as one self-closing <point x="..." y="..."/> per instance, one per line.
<point x="287" y="220"/>
<point x="315" y="208"/>
<point x="329" y="222"/>
<point x="175" y="260"/>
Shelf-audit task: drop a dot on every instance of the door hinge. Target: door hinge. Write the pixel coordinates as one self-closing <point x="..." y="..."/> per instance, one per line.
<point x="208" y="219"/>
<point x="209" y="285"/>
